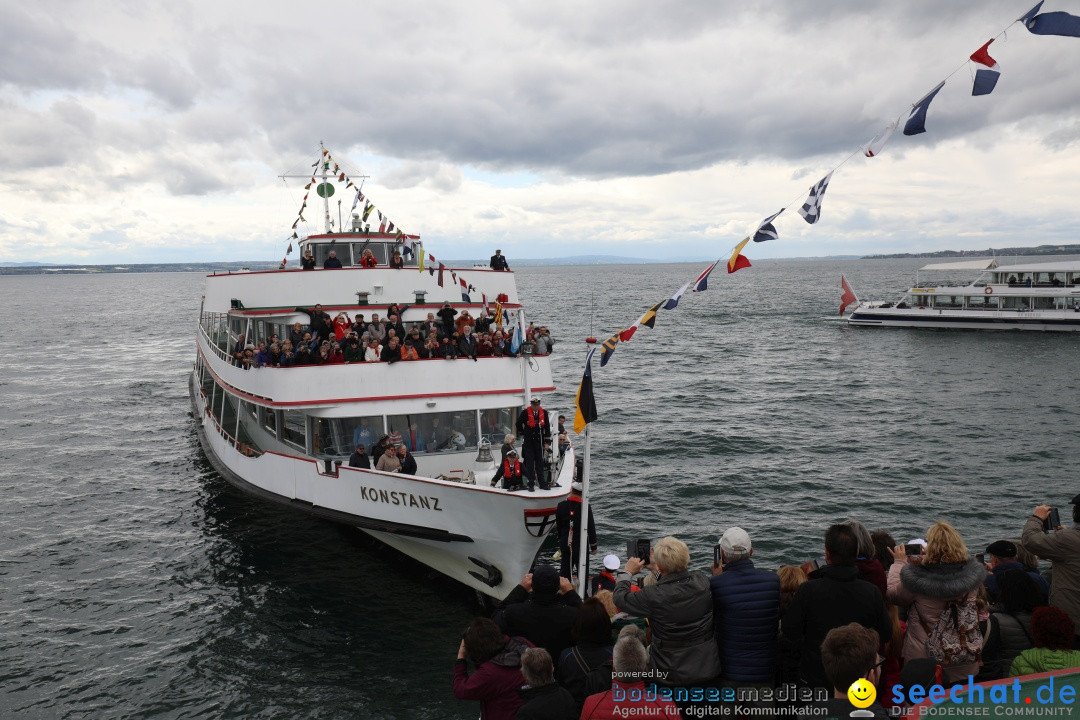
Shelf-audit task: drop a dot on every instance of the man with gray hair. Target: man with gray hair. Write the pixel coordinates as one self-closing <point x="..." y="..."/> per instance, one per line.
<point x="746" y="612"/>
<point x="544" y="698"/>
<point x="627" y="696"/>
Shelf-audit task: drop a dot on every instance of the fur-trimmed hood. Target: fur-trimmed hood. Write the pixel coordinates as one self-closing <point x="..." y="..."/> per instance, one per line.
<point x="944" y="580"/>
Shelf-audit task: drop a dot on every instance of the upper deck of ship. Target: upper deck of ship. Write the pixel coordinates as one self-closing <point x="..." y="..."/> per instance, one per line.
<point x="353" y="285"/>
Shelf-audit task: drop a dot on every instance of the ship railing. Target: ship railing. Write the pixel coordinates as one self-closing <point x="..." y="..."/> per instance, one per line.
<point x="214" y="327"/>
<point x="242" y="447"/>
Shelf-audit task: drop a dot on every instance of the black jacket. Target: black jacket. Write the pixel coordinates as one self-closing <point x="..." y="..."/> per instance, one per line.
<point x="543" y="621"/>
<point x="359" y="460"/>
<point x="566" y="513"/>
<point x="547" y="702"/>
<point x="836" y="597"/>
<point x="408" y="464"/>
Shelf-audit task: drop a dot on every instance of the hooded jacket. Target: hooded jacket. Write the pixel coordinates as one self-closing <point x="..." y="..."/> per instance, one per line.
<point x="542" y="617"/>
<point x="926" y="590"/>
<point x="495" y="682"/>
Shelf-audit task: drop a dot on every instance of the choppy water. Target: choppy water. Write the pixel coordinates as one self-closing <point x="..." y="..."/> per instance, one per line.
<point x="135" y="583"/>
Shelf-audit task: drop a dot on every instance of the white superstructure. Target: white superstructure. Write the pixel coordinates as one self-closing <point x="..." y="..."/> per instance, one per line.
<point x="286" y="433"/>
<point x="1029" y="296"/>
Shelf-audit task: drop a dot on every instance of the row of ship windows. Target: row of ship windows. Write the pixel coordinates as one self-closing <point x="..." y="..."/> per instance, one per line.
<point x="256" y="427"/>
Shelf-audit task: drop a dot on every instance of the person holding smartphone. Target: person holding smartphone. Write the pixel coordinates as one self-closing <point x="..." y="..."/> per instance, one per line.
<point x="1061" y="546"/>
<point x="746" y="611"/>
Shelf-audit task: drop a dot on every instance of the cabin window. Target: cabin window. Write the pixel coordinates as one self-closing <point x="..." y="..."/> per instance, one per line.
<point x="1043" y="303"/>
<point x="338" y="437"/>
<point x="353" y="431"/>
<point x="496" y="424"/>
<point x="294" y="428"/>
<point x="435" y="432"/>
<point x="377" y="249"/>
<point x="268" y="419"/>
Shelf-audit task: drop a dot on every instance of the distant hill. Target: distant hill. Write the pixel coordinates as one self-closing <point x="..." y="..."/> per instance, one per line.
<point x="989" y="252"/>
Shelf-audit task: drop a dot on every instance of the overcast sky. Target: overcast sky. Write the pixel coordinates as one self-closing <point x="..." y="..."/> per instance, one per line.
<point x="155" y="132"/>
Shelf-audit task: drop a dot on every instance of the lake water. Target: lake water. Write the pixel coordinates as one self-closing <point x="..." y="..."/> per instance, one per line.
<point x="136" y="583"/>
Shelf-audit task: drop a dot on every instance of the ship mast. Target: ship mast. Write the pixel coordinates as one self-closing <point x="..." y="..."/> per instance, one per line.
<point x="324" y="159"/>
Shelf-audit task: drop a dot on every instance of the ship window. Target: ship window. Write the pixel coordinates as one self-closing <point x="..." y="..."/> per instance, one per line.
<point x="350" y="432"/>
<point x="1044" y="303"/>
<point x="377" y="249"/>
<point x="293" y="430"/>
<point x="496" y="424"/>
<point x="338" y="437"/>
<point x="228" y="415"/>
<point x="435" y="432"/>
<point x="269" y="420"/>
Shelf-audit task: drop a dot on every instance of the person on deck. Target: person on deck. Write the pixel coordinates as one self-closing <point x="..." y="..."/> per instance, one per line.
<point x="408" y="463"/>
<point x="359" y="458"/>
<point x="332" y="262"/>
<point x="534" y="429"/>
<point x="308" y="261"/>
<point x="568" y="523"/>
<point x="509" y="472"/>
<point x="498" y="261"/>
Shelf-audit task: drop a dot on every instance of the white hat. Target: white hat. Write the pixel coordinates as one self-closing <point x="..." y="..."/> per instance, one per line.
<point x="611" y="562"/>
<point x="735" y="544"/>
<point x="576" y="486"/>
<point x="917" y="541"/>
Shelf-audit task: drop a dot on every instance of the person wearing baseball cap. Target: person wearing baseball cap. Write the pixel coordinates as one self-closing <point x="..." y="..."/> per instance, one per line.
<point x="746" y="605"/>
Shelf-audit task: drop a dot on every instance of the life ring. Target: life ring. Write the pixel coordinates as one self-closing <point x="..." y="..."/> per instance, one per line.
<point x="988" y="290"/>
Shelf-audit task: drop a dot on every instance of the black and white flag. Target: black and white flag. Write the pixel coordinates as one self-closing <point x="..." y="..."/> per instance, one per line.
<point x="811" y="209"/>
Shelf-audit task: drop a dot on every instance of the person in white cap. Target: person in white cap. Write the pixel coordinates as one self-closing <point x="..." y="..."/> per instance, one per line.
<point x="606" y="579"/>
<point x="746" y="612"/>
<point x="567" y="520"/>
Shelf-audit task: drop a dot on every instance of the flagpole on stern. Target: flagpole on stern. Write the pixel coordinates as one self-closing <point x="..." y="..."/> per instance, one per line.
<point x="585" y="414"/>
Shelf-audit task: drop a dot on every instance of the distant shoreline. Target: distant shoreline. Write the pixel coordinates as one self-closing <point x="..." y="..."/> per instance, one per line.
<point x="33" y="268"/>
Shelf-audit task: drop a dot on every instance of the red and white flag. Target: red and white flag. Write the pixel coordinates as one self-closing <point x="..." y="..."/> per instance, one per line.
<point x="847" y="297"/>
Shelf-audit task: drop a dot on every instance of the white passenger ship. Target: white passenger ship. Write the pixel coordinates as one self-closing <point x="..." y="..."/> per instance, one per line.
<point x="1030" y="296"/>
<point x="285" y="433"/>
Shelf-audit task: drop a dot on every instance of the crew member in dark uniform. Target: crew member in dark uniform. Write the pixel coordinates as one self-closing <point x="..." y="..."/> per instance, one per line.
<point x="509" y="472"/>
<point x="568" y="523"/>
<point x="534" y="429"/>
<point x="498" y="261"/>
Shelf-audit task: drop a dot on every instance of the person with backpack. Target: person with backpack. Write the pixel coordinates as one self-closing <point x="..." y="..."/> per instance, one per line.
<point x="939" y="588"/>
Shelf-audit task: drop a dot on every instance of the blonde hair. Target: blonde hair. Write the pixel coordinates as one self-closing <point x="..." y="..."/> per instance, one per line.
<point x="944" y="545"/>
<point x="671" y="554"/>
<point x="791" y="577"/>
<point x="607" y="599"/>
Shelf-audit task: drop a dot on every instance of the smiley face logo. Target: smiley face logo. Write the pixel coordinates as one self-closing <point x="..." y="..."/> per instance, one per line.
<point x="862" y="693"/>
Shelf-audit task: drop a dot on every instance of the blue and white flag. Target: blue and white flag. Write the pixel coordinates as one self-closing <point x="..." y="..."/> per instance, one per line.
<point x="1051" y="23"/>
<point x="811" y="209"/>
<point x="766" y="230"/>
<point x="515" y="341"/>
<point x="673" y="302"/>
<point x="702" y="282"/>
<point x="916" y="122"/>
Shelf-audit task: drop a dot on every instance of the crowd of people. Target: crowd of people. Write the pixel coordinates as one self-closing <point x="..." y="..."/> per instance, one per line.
<point x="448" y="334"/>
<point x="874" y="611"/>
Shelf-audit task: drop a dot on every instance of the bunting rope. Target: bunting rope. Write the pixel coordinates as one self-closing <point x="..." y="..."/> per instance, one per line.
<point x="984" y="81"/>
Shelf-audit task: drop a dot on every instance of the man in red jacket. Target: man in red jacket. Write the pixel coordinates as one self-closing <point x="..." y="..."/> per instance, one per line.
<point x="628" y="696"/>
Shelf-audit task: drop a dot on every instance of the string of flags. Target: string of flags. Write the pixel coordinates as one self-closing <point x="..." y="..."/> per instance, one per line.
<point x="985" y="78"/>
<point x="385" y="224"/>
